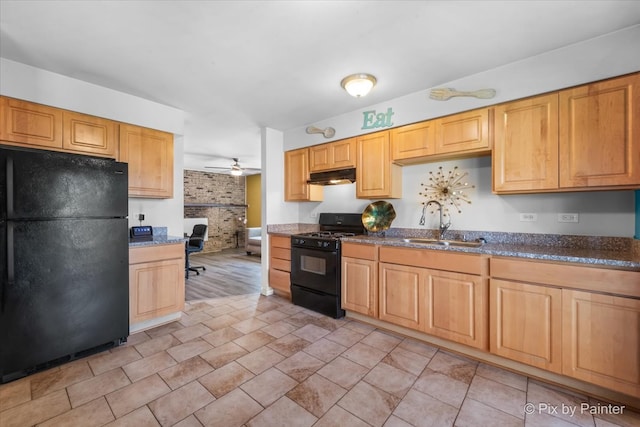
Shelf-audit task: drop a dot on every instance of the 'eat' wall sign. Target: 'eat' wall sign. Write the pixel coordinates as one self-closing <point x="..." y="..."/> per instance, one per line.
<point x="379" y="120"/>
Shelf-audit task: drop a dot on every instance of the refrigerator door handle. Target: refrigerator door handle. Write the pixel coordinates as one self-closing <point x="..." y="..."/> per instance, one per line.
<point x="10" y="267"/>
<point x="9" y="186"/>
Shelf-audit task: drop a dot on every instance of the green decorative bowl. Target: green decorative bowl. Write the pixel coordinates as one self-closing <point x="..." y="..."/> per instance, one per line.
<point x="378" y="216"/>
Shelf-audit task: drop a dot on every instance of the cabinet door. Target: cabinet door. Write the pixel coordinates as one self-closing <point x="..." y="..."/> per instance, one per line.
<point x="376" y="176"/>
<point x="456" y="307"/>
<point x="463" y="133"/>
<point x="601" y="338"/>
<point x="343" y="154"/>
<point x="402" y="295"/>
<point x="360" y="286"/>
<point x="89" y="134"/>
<point x="412" y="143"/>
<point x="26" y="123"/>
<point x="156" y="289"/>
<point x="525" y="149"/>
<point x="296" y="175"/>
<point x="334" y="155"/>
<point x="525" y="323"/>
<point x="150" y="156"/>
<point x="600" y="134"/>
<point x="319" y="158"/>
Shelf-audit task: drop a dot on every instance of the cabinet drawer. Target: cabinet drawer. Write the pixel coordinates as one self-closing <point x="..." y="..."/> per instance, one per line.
<point x="152" y="253"/>
<point x="568" y="276"/>
<point x="280" y="264"/>
<point x="281" y="253"/>
<point x="280" y="242"/>
<point x="355" y="250"/>
<point x="439" y="260"/>
<point x="280" y="280"/>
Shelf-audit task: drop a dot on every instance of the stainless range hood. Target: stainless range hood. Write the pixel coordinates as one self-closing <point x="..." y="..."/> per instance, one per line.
<point x="342" y="176"/>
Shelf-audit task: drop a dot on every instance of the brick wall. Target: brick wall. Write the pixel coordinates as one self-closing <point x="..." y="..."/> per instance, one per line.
<point x="225" y="190"/>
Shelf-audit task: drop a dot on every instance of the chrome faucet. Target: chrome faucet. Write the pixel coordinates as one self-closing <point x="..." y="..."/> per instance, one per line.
<point x="443" y="227"/>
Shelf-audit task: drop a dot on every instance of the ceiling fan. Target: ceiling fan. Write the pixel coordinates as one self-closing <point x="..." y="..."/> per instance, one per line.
<point x="235" y="169"/>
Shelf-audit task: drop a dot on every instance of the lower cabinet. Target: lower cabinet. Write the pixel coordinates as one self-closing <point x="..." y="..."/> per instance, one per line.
<point x="280" y="264"/>
<point x="567" y="321"/>
<point x="526" y="323"/>
<point x="156" y="281"/>
<point x="445" y="304"/>
<point x="456" y="307"/>
<point x="601" y="340"/>
<point x="573" y="320"/>
<point x="402" y="295"/>
<point x="360" y="279"/>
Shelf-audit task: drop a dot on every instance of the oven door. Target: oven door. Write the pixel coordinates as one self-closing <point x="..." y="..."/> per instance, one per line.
<point x="316" y="269"/>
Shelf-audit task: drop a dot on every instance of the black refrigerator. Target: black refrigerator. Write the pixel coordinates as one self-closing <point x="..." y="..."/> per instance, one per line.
<point x="64" y="257"/>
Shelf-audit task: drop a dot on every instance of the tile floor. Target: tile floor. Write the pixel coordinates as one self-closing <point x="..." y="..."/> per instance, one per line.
<point x="260" y="361"/>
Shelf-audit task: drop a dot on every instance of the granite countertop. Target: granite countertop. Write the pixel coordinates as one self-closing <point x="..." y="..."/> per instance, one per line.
<point x="616" y="252"/>
<point x="596" y="251"/>
<point x="160" y="237"/>
<point x="291" y="229"/>
<point x="157" y="240"/>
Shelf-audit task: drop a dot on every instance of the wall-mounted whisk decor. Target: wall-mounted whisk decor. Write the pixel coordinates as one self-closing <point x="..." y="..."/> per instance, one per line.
<point x="448" y="189"/>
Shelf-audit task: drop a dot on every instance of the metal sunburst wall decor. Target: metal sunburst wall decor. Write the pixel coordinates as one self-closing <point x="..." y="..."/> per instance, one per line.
<point x="448" y="189"/>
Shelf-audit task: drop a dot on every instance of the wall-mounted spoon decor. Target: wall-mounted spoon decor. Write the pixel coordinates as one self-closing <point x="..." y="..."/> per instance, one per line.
<point x="443" y="94"/>
<point x="327" y="132"/>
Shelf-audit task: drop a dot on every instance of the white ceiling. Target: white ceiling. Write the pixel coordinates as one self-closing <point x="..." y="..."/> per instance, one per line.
<point x="234" y="66"/>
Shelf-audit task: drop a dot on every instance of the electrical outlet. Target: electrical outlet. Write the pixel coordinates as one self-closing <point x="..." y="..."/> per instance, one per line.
<point x="568" y="217"/>
<point x="528" y="217"/>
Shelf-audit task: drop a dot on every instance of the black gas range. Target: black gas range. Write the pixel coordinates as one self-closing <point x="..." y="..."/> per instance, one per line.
<point x="316" y="263"/>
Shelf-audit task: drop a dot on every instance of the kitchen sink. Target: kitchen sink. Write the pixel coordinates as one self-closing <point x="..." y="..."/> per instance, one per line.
<point x="468" y="244"/>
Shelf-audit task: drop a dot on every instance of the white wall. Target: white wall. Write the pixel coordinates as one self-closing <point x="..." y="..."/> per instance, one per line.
<point x="608" y="213"/>
<point x="37" y="85"/>
<point x="601" y="213"/>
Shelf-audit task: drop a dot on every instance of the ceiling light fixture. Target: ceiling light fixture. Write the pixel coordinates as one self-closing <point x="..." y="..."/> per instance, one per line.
<point x="358" y="85"/>
<point x="236" y="172"/>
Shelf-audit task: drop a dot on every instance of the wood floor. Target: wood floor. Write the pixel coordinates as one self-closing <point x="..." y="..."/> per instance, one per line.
<point x="228" y="273"/>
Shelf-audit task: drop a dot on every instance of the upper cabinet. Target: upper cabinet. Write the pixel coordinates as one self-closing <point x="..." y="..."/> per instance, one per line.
<point x="464" y="133"/>
<point x="584" y="138"/>
<point x="296" y="175"/>
<point x="457" y="135"/>
<point x="412" y="143"/>
<point x="89" y="134"/>
<point x="39" y="126"/>
<point x="376" y="176"/>
<point x="150" y="156"/>
<point x="600" y="134"/>
<point x="333" y="155"/>
<point x="525" y="148"/>
<point x="30" y="124"/>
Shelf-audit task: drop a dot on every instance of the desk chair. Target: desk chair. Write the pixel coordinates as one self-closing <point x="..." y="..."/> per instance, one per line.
<point x="195" y="244"/>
